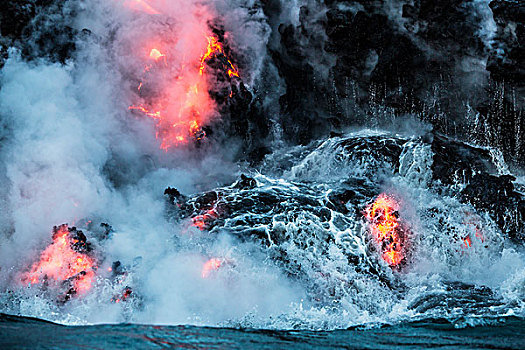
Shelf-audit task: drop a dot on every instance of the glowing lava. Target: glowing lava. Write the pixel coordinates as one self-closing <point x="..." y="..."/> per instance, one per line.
<point x="202" y="221"/>
<point x="211" y="265"/>
<point x="180" y="109"/>
<point x="184" y="104"/>
<point x="156" y="54"/>
<point x="472" y="222"/>
<point x="174" y="86"/>
<point x="126" y="294"/>
<point x="215" y="49"/>
<point x="384" y="225"/>
<point x="65" y="260"/>
<point x="154" y="115"/>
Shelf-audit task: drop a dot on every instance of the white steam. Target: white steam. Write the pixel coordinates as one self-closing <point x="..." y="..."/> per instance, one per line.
<point x="72" y="151"/>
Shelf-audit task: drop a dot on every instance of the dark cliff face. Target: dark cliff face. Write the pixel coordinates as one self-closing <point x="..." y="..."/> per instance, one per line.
<point x="506" y="62"/>
<point x="455" y="64"/>
<point x="26" y="24"/>
<point x="457" y="170"/>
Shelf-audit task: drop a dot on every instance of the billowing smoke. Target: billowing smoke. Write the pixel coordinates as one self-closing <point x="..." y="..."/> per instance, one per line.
<point x="75" y="151"/>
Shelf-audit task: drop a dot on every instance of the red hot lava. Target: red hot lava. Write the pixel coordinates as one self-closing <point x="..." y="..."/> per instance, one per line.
<point x="203" y="221"/>
<point x="211" y="265"/>
<point x="385" y="228"/>
<point x="177" y="97"/>
<point x="65" y="260"/>
<point x="472" y="222"/>
<point x="215" y="49"/>
<point x="126" y="294"/>
<point x="184" y="105"/>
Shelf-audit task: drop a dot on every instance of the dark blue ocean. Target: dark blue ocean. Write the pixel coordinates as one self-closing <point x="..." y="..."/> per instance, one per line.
<point x="30" y="333"/>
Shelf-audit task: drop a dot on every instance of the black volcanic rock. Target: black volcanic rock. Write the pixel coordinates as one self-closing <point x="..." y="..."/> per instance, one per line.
<point x="455" y="161"/>
<point x="298" y="224"/>
<point x="497" y="196"/>
<point x="39" y="28"/>
<point x="15" y="16"/>
<point x="364" y="62"/>
<point x="458" y="163"/>
<point x="507" y="60"/>
<point x="250" y="207"/>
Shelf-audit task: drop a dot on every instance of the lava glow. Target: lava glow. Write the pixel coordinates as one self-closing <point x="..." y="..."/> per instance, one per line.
<point x="141" y="6"/>
<point x="202" y="221"/>
<point x="184" y="104"/>
<point x="126" y="294"/>
<point x="181" y="109"/>
<point x="211" y="265"/>
<point x="215" y="49"/>
<point x="60" y="262"/>
<point x="472" y="222"/>
<point x="385" y="228"/>
<point x="174" y="86"/>
<point x="156" y="54"/>
<point x="154" y="115"/>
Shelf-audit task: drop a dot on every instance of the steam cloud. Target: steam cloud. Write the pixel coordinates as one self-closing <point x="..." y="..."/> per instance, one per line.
<point x="73" y="151"/>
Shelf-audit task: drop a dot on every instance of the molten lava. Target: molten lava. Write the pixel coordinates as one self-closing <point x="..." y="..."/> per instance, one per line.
<point x="126" y="294"/>
<point x="179" y="111"/>
<point x="184" y="105"/>
<point x="174" y="86"/>
<point x="385" y="228"/>
<point x="65" y="260"/>
<point x="215" y="49"/>
<point x="472" y="222"/>
<point x="204" y="220"/>
<point x="211" y="265"/>
<point x="156" y="54"/>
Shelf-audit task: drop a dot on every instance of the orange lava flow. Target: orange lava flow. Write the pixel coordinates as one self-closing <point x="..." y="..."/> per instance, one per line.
<point x="209" y="266"/>
<point x="385" y="228"/>
<point x="179" y="111"/>
<point x="60" y="262"/>
<point x="216" y="49"/>
<point x="201" y="221"/>
<point x="175" y="86"/>
<point x="185" y="104"/>
<point x="154" y="115"/>
<point x="473" y="222"/>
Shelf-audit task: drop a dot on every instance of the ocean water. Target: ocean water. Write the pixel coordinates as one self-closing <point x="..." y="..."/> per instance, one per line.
<point x="30" y="333"/>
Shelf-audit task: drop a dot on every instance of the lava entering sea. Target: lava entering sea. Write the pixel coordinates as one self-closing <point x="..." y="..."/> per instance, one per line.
<point x="386" y="230"/>
<point x="65" y="264"/>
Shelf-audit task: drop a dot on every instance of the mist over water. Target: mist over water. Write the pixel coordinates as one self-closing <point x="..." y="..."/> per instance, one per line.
<point x="73" y="152"/>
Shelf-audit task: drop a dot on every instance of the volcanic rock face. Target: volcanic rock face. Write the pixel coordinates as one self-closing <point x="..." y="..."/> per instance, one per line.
<point x="457" y="64"/>
<point x="483" y="188"/>
<point x="319" y="214"/>
<point x="427" y="58"/>
<point x="506" y="61"/>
